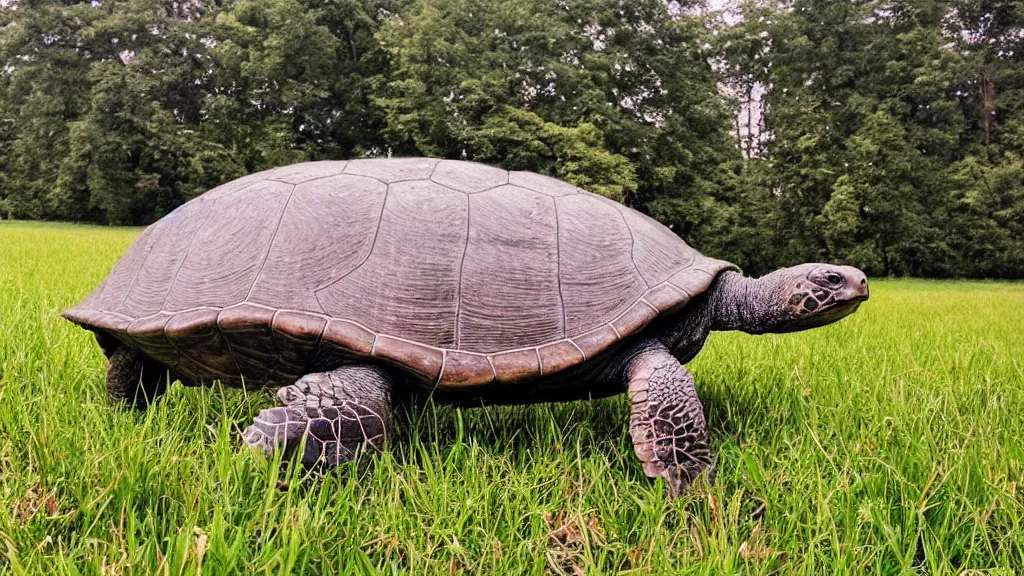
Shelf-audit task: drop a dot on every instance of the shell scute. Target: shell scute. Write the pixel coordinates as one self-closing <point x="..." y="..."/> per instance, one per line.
<point x="593" y="342"/>
<point x="299" y="173"/>
<point x="666" y="298"/>
<point x="468" y="177"/>
<point x="196" y="331"/>
<point x="149" y="333"/>
<point x="466" y="369"/>
<point x="559" y="356"/>
<point x="297" y="335"/>
<point x="391" y="170"/>
<point x="350" y="335"/>
<point x="543" y="184"/>
<point x="460" y="273"/>
<point x="632" y="320"/>
<point x="424" y="360"/>
<point x="515" y="365"/>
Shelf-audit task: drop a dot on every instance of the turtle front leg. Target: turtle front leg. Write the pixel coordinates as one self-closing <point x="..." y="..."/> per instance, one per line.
<point x="670" y="435"/>
<point x="336" y="413"/>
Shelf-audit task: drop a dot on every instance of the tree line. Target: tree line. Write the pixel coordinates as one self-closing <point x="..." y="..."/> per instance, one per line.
<point x="884" y="134"/>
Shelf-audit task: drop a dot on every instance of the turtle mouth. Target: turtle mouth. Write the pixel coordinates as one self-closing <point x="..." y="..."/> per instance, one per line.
<point x="840" y="309"/>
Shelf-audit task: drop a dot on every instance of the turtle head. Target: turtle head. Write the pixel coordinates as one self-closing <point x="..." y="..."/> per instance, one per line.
<point x="789" y="299"/>
<point x="812" y="295"/>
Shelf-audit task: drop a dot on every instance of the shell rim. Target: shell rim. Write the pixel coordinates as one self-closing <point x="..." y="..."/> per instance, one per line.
<point x="456" y="369"/>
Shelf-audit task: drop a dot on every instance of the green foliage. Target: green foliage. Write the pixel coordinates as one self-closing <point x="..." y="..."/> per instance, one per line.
<point x="987" y="216"/>
<point x="119" y="111"/>
<point x="880" y="117"/>
<point x="886" y="135"/>
<point x="521" y="140"/>
<point x="613" y="97"/>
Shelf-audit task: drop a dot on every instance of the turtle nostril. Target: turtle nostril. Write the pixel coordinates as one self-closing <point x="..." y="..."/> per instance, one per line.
<point x="864" y="287"/>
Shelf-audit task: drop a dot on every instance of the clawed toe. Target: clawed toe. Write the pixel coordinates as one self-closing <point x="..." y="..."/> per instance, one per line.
<point x="322" y="434"/>
<point x="279" y="427"/>
<point x="680" y="478"/>
<point x="256" y="439"/>
<point x="291" y="395"/>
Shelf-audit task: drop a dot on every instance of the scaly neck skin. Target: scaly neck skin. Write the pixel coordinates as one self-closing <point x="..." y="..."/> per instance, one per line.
<point x="747" y="304"/>
<point x="731" y="303"/>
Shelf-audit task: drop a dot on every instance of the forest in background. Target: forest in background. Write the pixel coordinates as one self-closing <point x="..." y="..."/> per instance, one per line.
<point x="884" y="134"/>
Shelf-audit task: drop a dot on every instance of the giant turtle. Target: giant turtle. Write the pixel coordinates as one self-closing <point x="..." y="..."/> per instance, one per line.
<point x="351" y="282"/>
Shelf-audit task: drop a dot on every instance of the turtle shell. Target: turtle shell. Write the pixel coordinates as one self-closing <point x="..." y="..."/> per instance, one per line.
<point x="461" y="273"/>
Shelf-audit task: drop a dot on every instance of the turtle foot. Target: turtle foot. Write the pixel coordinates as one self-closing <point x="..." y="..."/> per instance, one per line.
<point x="681" y="477"/>
<point x="318" y="434"/>
<point x="276" y="428"/>
<point x="328" y="417"/>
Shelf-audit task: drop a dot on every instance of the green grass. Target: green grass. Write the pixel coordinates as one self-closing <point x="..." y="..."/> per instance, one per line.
<point x="889" y="443"/>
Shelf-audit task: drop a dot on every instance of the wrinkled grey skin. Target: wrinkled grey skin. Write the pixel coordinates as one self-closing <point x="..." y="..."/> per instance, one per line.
<point x="332" y="415"/>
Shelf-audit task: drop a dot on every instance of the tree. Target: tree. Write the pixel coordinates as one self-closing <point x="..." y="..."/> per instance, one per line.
<point x="882" y="133"/>
<point x="134" y="151"/>
<point x="45" y="86"/>
<point x="618" y="97"/>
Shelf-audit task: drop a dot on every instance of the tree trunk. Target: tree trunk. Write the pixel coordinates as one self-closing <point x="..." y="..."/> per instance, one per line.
<point x="988" y="105"/>
<point x="750" y="119"/>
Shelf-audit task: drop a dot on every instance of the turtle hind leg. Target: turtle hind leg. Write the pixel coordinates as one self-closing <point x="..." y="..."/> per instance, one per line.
<point x="330" y="415"/>
<point x="134" y="379"/>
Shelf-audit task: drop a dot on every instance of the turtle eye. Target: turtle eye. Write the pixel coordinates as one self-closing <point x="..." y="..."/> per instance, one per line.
<point x="834" y="278"/>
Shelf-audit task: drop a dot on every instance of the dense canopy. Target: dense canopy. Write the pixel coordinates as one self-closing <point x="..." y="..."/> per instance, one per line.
<point x="884" y="134"/>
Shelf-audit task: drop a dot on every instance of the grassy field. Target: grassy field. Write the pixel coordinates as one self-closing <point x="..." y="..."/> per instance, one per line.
<point x="890" y="443"/>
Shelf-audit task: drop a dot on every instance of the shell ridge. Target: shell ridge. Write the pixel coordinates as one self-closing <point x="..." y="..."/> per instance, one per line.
<point x="614" y="329"/>
<point x="495" y="187"/>
<point x="342" y="173"/>
<point x="494" y="373"/>
<point x="171" y="341"/>
<point x="319" y="340"/>
<point x="270" y="247"/>
<point x="444" y="360"/>
<point x="649" y="305"/>
<point x="135" y="277"/>
<point x="227" y="344"/>
<point x="632" y="245"/>
<point x="406" y="340"/>
<point x="118" y="314"/>
<point x="558" y="271"/>
<point x="279" y="357"/>
<point x="430" y="177"/>
<point x="242" y="188"/>
<point x="187" y="311"/>
<point x="188" y="252"/>
<point x="576" y="346"/>
<point x="373" y="244"/>
<point x="462" y="266"/>
<point x="347" y="173"/>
